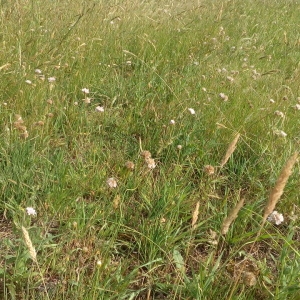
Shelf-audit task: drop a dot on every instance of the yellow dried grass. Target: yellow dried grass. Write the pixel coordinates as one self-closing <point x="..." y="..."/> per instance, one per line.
<point x="29" y="244"/>
<point x="195" y="215"/>
<point x="231" y="217"/>
<point x="230" y="150"/>
<point x="279" y="186"/>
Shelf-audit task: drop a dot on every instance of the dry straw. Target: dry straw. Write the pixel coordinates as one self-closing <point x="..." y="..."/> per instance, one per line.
<point x="29" y="245"/>
<point x="231" y="217"/>
<point x="279" y="186"/>
<point x="230" y="150"/>
<point x="195" y="215"/>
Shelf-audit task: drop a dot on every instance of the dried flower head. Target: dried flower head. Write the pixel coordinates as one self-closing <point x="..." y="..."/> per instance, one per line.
<point x="272" y="101"/>
<point x="249" y="278"/>
<point x="146" y="154"/>
<point x="87" y="100"/>
<point x="38" y="71"/>
<point x="28" y="81"/>
<point x="275" y="218"/>
<point x="150" y="163"/>
<point x="39" y="123"/>
<point x="223" y="97"/>
<point x="208" y="169"/>
<point x="112" y="183"/>
<point x="172" y="122"/>
<point x="30" y="211"/>
<point x="279" y="113"/>
<point x="24" y="135"/>
<point x="129" y="165"/>
<point x="179" y="147"/>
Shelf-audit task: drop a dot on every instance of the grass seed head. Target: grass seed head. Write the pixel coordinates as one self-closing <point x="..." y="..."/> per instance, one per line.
<point x="230" y="150"/>
<point x="231" y="217"/>
<point x="29" y="244"/>
<point x="279" y="186"/>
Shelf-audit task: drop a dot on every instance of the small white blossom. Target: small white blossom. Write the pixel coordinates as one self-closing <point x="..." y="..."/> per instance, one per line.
<point x="150" y="163"/>
<point x="297" y="106"/>
<point x="223" y="96"/>
<point x="280" y="133"/>
<point x="192" y="111"/>
<point x="30" y="211"/>
<point x="172" y="122"/>
<point x="38" y="71"/>
<point x="272" y="101"/>
<point x="279" y="113"/>
<point x="85" y="91"/>
<point x="179" y="147"/>
<point x="99" y="109"/>
<point x="99" y="263"/>
<point x="275" y="218"/>
<point x="112" y="183"/>
<point x="28" y="81"/>
<point x="51" y="79"/>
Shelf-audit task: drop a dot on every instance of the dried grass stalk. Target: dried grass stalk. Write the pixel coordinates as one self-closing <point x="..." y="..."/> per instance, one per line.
<point x="29" y="245"/>
<point x="230" y="150"/>
<point x="195" y="215"/>
<point x="279" y="186"/>
<point x="232" y="216"/>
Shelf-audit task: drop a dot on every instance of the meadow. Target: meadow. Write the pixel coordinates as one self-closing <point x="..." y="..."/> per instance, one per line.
<point x="145" y="146"/>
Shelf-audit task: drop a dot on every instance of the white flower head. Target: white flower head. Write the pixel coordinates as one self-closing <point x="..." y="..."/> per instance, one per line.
<point x="280" y="133"/>
<point x="28" y="81"/>
<point x="99" y="263"/>
<point x="51" y="79"/>
<point x="99" y="108"/>
<point x="272" y="101"/>
<point x="30" y="211"/>
<point x="112" y="183"/>
<point x="192" y="111"/>
<point x="297" y="106"/>
<point x="38" y="71"/>
<point x="172" y="122"/>
<point x="85" y="91"/>
<point x="276" y="218"/>
<point x="150" y="163"/>
<point x="279" y="113"/>
<point x="223" y="96"/>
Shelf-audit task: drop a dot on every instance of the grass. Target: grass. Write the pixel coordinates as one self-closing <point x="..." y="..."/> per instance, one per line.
<point x="157" y="234"/>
